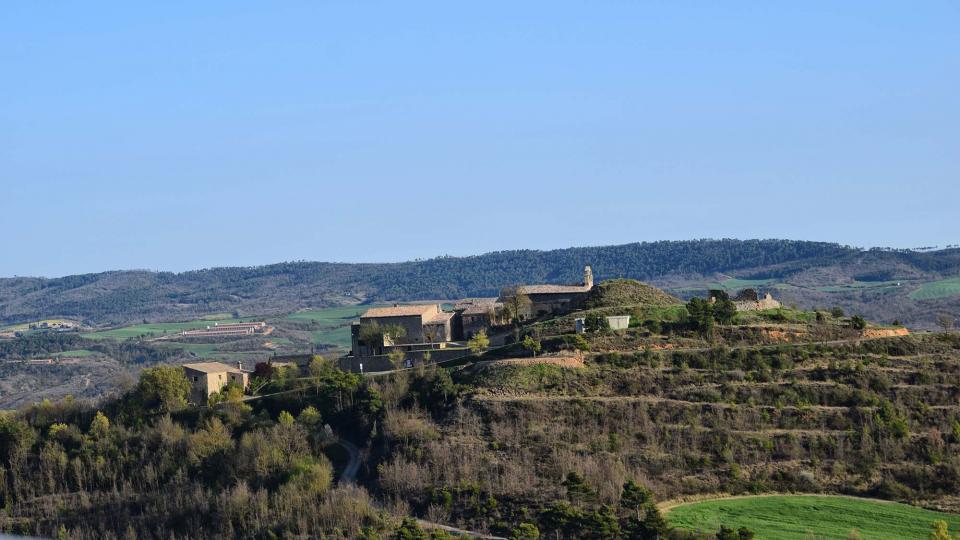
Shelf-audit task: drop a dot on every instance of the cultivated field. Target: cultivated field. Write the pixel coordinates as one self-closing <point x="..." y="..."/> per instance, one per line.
<point x="788" y="517"/>
<point x="944" y="288"/>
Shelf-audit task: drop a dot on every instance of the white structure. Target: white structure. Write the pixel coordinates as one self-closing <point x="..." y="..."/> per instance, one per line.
<point x="616" y="322"/>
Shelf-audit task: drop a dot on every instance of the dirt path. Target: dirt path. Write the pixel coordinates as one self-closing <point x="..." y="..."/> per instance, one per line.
<point x="349" y="474"/>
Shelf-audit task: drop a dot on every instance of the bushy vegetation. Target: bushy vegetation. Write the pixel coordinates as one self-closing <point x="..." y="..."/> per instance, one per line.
<point x="148" y="466"/>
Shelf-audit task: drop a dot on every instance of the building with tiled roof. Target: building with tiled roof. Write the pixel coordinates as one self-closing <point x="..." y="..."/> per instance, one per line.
<point x="549" y="298"/>
<point x="382" y="328"/>
<point x="207" y="378"/>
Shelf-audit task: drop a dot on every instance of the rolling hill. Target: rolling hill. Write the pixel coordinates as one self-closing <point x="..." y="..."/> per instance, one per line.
<point x="882" y="284"/>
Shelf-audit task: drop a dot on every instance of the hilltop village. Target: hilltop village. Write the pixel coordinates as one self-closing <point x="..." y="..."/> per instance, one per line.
<point x="403" y="336"/>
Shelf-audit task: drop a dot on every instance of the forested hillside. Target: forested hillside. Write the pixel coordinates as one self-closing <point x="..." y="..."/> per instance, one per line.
<point x="807" y="270"/>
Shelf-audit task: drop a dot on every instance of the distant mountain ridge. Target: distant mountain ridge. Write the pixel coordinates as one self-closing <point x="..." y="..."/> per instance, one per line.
<point x="801" y="268"/>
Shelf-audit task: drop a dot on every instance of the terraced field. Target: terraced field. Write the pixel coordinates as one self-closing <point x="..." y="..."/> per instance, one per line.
<point x="799" y="517"/>
<point x="878" y="419"/>
<point x="159" y="329"/>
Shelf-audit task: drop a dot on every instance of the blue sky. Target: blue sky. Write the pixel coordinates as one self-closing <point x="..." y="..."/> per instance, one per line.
<point x="181" y="135"/>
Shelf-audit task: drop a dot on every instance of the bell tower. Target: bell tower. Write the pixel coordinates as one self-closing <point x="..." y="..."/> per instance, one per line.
<point x="588" y="277"/>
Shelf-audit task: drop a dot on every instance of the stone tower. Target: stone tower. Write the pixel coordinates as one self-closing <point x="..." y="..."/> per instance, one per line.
<point x="588" y="277"/>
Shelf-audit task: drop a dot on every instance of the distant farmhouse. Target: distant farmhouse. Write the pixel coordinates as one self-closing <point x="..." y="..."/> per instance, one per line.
<point x="545" y="299"/>
<point x="207" y="378"/>
<point x="231" y="329"/>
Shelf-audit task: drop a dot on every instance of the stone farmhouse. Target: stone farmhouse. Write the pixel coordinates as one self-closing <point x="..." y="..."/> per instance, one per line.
<point x="207" y="378"/>
<point x="415" y="329"/>
<point x="421" y="325"/>
<point x="546" y="299"/>
<point x="478" y="314"/>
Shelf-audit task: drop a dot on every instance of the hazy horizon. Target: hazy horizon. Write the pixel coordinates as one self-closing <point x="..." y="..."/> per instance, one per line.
<point x="184" y="136"/>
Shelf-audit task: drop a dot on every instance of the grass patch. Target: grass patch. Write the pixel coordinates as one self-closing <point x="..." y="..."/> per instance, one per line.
<point x="792" y="517"/>
<point x="78" y="353"/>
<point x="859" y="286"/>
<point x="330" y="316"/>
<point x="334" y="324"/>
<point x="734" y="284"/>
<point x="944" y="288"/>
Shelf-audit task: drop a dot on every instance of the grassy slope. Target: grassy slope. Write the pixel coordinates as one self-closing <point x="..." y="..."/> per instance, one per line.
<point x="792" y="517"/>
<point x="944" y="288"/>
<point x="334" y="324"/>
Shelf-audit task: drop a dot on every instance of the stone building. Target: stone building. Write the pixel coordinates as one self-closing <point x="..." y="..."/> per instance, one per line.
<point x="546" y="299"/>
<point x="750" y="300"/>
<point x="477" y="314"/>
<point x="207" y="378"/>
<point x="421" y="324"/>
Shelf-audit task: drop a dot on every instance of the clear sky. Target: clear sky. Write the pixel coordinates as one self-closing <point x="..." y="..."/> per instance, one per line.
<point x="183" y="134"/>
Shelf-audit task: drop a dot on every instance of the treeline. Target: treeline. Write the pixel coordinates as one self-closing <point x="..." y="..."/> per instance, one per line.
<point x="121" y="297"/>
<point x="147" y="465"/>
<point x="126" y="296"/>
<point x="52" y="344"/>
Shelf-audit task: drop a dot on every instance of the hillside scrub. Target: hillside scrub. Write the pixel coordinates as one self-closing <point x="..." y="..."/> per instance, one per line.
<point x="878" y="419"/>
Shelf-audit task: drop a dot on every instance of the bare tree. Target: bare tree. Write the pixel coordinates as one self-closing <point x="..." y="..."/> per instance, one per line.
<point x="946" y="322"/>
<point x="516" y="304"/>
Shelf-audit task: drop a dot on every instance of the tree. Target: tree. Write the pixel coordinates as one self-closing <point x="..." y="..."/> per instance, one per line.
<point x="594" y="322"/>
<point x="525" y="531"/>
<point x="726" y="533"/>
<point x="743" y="533"/>
<point x="836" y="312"/>
<point x="576" y="342"/>
<point x="561" y="518"/>
<point x="319" y="368"/>
<point x="532" y="345"/>
<point x="946" y="322"/>
<point x="396" y="357"/>
<point x="724" y="311"/>
<point x="479" y="342"/>
<point x="940" y="531"/>
<point x="578" y="491"/>
<point x="857" y="322"/>
<point x="99" y="426"/>
<point x="164" y="388"/>
<point x="701" y="315"/>
<point x="516" y="304"/>
<point x="310" y="417"/>
<point x="634" y="498"/>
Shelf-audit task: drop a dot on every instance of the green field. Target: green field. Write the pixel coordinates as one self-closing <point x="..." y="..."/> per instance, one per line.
<point x="787" y="517"/>
<point x="944" y="288"/>
<point x="333" y="324"/>
<point x="859" y="285"/>
<point x="78" y="353"/>
<point x="329" y="316"/>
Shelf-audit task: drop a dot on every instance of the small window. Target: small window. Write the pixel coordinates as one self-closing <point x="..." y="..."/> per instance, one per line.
<point x="195" y="378"/>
